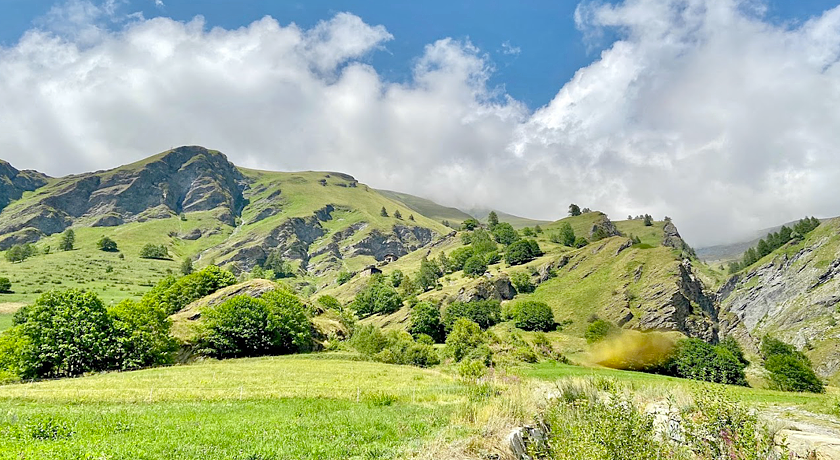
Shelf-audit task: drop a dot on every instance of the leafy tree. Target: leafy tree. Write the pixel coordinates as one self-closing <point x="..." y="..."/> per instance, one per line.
<point x="492" y="220"/>
<point x="153" y="251"/>
<point x="5" y="285"/>
<point x="278" y="265"/>
<point x="444" y="263"/>
<point x="397" y="214"/>
<point x="567" y="235"/>
<point x="329" y="302"/>
<point x="425" y="319"/>
<point x="429" y="274"/>
<point x="505" y="234"/>
<point x="107" y="244"/>
<point x="186" y="266"/>
<point x="475" y="266"/>
<point x="482" y="241"/>
<point x="648" y="220"/>
<point x="396" y="278"/>
<point x="458" y="257"/>
<point x="537" y="229"/>
<point x="522" y="282"/>
<point x="19" y="252"/>
<point x="172" y="294"/>
<point x="368" y="340"/>
<point x="141" y="333"/>
<point x="68" y="240"/>
<point x="470" y="224"/>
<point x="68" y="333"/>
<point x="383" y="212"/>
<point x="528" y="231"/>
<point x="377" y="297"/>
<point x="522" y="251"/>
<point x="245" y="326"/>
<point x="465" y="337"/>
<point x="698" y="360"/>
<point x="574" y="210"/>
<point x="485" y="313"/>
<point x="789" y="369"/>
<point x="531" y="315"/>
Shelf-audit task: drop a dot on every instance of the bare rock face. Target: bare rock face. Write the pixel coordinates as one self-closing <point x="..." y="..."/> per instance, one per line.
<point x="793" y="297"/>
<point x="400" y="242"/>
<point x="603" y="228"/>
<point x="14" y="182"/>
<point x="180" y="180"/>
<point x="487" y="289"/>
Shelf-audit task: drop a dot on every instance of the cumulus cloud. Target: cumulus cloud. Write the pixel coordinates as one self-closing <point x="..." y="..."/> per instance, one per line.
<point x="701" y="110"/>
<point x="509" y="49"/>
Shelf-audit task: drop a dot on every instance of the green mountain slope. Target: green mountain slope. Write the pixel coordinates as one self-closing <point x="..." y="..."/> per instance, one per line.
<point x="428" y="208"/>
<point x="516" y="221"/>
<point x="792" y="293"/>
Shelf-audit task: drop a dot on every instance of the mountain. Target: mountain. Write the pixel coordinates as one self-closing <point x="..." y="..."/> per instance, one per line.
<point x="428" y="208"/>
<point x="734" y="250"/>
<point x="14" y="183"/>
<point x="793" y="294"/>
<point x="516" y="221"/>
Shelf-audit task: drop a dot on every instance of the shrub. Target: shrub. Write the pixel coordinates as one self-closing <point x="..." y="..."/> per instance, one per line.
<point x="397" y="277"/>
<point x="698" y="360"/>
<point x="329" y="302"/>
<point x="343" y="277"/>
<point x="466" y="337"/>
<point x="141" y="332"/>
<point x="459" y="257"/>
<point x="470" y="224"/>
<point x="598" y="330"/>
<point x="377" y="298"/>
<point x="186" y="266"/>
<point x="522" y="282"/>
<point x="522" y="251"/>
<point x="789" y="369"/>
<point x="106" y="244"/>
<point x="394" y="347"/>
<point x="152" y="251"/>
<point x="475" y="266"/>
<point x="504" y="234"/>
<point x="5" y="285"/>
<point x="485" y="313"/>
<point x="368" y="340"/>
<point x="580" y="242"/>
<point x="245" y="326"/>
<point x="530" y="315"/>
<point x="20" y="252"/>
<point x="173" y="294"/>
<point x="425" y="320"/>
<point x="67" y="333"/>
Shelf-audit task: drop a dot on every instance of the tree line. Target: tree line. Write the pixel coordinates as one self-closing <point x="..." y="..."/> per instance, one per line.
<point x="774" y="241"/>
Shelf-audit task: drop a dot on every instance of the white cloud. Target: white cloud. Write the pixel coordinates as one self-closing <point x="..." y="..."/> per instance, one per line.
<point x="702" y="110"/>
<point x="509" y="49"/>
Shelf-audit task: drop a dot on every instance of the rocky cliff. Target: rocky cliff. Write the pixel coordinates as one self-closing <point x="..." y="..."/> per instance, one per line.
<point x="14" y="182"/>
<point x="793" y="294"/>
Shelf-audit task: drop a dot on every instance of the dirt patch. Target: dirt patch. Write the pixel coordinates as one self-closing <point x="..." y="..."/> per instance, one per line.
<point x="7" y="308"/>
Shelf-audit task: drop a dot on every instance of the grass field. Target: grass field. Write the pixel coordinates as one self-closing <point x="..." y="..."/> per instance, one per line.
<point x="307" y="406"/>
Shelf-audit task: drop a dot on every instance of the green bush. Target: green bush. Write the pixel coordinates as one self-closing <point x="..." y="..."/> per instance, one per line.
<point x="459" y="257"/>
<point x="377" y="298"/>
<point x="465" y="338"/>
<point x="67" y="333"/>
<point x="245" y="326"/>
<point x="173" y="294"/>
<point x="153" y="251"/>
<point x="485" y="313"/>
<point x="329" y="302"/>
<point x="598" y="330"/>
<point x="425" y="320"/>
<point x="475" y="266"/>
<point x="504" y="234"/>
<point x="395" y="347"/>
<point x="530" y="315"/>
<point x="368" y="340"/>
<point x="522" y="282"/>
<point x="141" y="333"/>
<point x="789" y="369"/>
<point x="343" y="277"/>
<point x="106" y="244"/>
<point x="698" y="360"/>
<point x="5" y="285"/>
<point x="20" y="252"/>
<point x="580" y="242"/>
<point x="522" y="251"/>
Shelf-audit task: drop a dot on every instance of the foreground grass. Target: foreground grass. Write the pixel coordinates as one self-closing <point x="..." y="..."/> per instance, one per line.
<point x="820" y="403"/>
<point x="264" y="408"/>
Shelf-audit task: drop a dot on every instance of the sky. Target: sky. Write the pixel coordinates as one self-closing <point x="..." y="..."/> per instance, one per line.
<point x="721" y="114"/>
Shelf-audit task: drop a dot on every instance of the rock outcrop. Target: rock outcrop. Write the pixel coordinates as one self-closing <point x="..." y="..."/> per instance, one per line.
<point x="180" y="180"/>
<point x="14" y="182"/>
<point x="498" y="288"/>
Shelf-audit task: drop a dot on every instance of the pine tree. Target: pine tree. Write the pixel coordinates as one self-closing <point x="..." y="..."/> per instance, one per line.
<point x="397" y="214"/>
<point x="68" y="239"/>
<point x="411" y="218"/>
<point x="492" y="220"/>
<point x="383" y="212"/>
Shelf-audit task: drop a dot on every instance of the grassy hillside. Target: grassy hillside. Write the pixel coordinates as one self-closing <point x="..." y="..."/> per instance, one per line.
<point x="516" y="221"/>
<point x="428" y="208"/>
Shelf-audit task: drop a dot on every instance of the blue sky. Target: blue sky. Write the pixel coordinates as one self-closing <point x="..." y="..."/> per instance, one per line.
<point x="719" y="113"/>
<point x="544" y="49"/>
